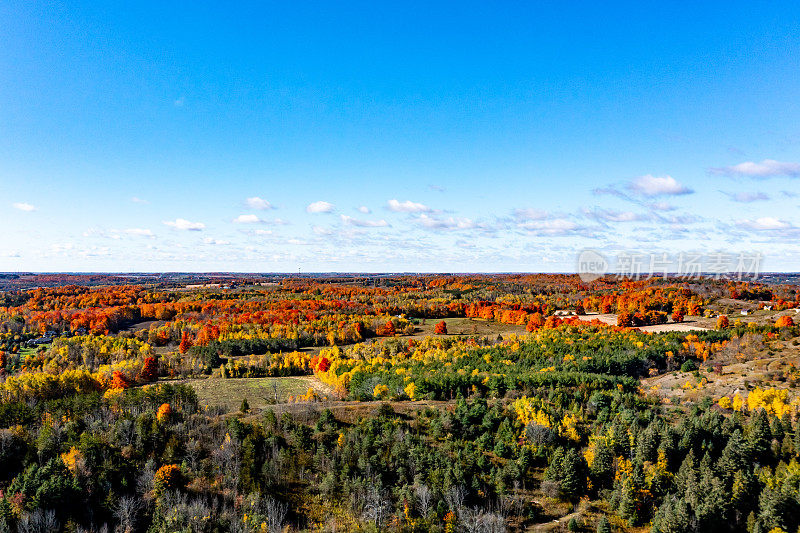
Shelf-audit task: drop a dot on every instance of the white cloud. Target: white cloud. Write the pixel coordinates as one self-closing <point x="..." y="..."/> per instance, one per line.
<point x="22" y="206"/>
<point x="451" y="223"/>
<point x="257" y="203"/>
<point x="650" y="185"/>
<point x="530" y="214"/>
<point x="558" y="226"/>
<point x="95" y="251"/>
<point x="661" y="206"/>
<point x="768" y="168"/>
<point x="320" y="207"/>
<point x="609" y="215"/>
<point x="364" y="209"/>
<point x="763" y="223"/>
<point x="216" y="242"/>
<point x="407" y="207"/>
<point x="364" y="223"/>
<point x="263" y="232"/>
<point x="319" y="230"/>
<point x="62" y="247"/>
<point x="138" y="200"/>
<point x="247" y="219"/>
<point x="140" y="232"/>
<point x="96" y="232"/>
<point x="747" y="197"/>
<point x="682" y="219"/>
<point x="185" y="225"/>
<point x="118" y="234"/>
<point x="180" y="101"/>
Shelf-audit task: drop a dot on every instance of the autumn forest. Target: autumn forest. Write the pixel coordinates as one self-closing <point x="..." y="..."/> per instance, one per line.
<point x="402" y="403"/>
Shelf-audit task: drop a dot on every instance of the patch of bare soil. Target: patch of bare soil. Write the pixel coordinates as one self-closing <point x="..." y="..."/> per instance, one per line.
<point x="138" y="326"/>
<point x="690" y="324"/>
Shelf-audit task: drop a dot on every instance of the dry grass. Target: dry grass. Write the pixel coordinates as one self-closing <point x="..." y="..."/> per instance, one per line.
<point x="259" y="392"/>
<point x="467" y="326"/>
<point x="775" y="366"/>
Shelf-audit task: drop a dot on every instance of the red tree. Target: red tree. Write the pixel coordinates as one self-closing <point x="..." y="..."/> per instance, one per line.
<point x="149" y="371"/>
<point x="387" y="330"/>
<point x="625" y="320"/>
<point x="186" y="343"/>
<point x="323" y="365"/>
<point x="119" y="381"/>
<point x="440" y="328"/>
<point x="535" y="322"/>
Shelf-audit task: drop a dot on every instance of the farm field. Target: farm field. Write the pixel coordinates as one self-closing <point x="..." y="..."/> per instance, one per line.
<point x="460" y="403"/>
<point x="470" y="326"/>
<point x="260" y="393"/>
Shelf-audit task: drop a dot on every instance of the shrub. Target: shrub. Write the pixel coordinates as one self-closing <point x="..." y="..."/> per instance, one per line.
<point x="164" y="412"/>
<point x="168" y="477"/>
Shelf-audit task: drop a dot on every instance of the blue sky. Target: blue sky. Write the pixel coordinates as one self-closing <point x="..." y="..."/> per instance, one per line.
<point x="407" y="137"/>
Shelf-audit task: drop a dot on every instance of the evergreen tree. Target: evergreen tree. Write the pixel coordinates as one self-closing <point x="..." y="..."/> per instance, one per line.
<point x="572" y="525"/>
<point x="603" y="465"/>
<point x="647" y="444"/>
<point x="603" y="525"/>
<point x="568" y="469"/>
<point x="773" y="507"/>
<point x="776" y="428"/>
<point x="759" y="436"/>
<point x="629" y="502"/>
<point x="742" y="490"/>
<point x="712" y="500"/>
<point x="673" y="516"/>
<point x="734" y="456"/>
<point x="797" y="439"/>
<point x="686" y="478"/>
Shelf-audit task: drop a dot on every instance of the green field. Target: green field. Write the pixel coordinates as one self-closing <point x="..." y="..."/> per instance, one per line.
<point x="259" y="392"/>
<point x="27" y="352"/>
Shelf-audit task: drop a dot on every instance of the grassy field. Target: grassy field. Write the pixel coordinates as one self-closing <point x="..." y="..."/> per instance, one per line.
<point x="467" y="326"/>
<point x="259" y="392"/>
<point x="26" y="352"/>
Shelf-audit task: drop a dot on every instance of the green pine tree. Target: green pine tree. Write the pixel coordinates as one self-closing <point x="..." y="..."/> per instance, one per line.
<point x="759" y="436"/>
<point x="673" y="516"/>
